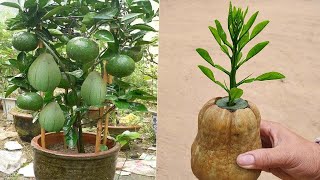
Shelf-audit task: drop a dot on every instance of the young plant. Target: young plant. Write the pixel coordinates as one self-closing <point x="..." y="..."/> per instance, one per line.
<point x="240" y="35"/>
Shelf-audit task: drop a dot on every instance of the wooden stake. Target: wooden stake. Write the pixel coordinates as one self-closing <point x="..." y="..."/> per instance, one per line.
<point x="98" y="137"/>
<point x="108" y="79"/>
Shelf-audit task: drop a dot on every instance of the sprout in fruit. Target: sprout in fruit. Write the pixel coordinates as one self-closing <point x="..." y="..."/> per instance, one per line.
<point x="241" y="33"/>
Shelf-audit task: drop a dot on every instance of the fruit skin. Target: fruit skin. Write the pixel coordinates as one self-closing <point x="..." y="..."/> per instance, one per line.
<point x="134" y="52"/>
<point x="44" y="73"/>
<point x="30" y="101"/>
<point x="94" y="89"/>
<point x="25" y="41"/>
<point x="51" y="117"/>
<point x="64" y="83"/>
<point x="82" y="49"/>
<point x="120" y="66"/>
<point x="222" y="136"/>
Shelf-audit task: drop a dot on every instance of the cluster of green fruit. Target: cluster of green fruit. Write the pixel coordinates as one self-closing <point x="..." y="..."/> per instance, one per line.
<point x="44" y="75"/>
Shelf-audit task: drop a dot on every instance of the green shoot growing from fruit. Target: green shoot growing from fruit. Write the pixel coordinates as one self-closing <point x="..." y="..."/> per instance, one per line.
<point x="240" y="35"/>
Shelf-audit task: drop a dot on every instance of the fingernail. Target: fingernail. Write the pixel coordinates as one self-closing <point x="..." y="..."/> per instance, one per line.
<point x="245" y="160"/>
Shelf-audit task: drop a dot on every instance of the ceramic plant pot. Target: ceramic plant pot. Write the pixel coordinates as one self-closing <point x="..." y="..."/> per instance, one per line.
<point x="116" y="130"/>
<point x="24" y="126"/>
<point x="49" y="164"/>
<point x="222" y="135"/>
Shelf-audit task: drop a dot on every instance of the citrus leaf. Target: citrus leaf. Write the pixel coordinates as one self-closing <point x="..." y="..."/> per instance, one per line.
<point x="256" y="49"/>
<point x="250" y="22"/>
<point x="221" y="68"/>
<point x="205" y="55"/>
<point x="30" y="3"/>
<point x="221" y="32"/>
<point x="244" y="40"/>
<point x="54" y="11"/>
<point x="111" y="97"/>
<point x="143" y="27"/>
<point x="55" y="32"/>
<point x="11" y="4"/>
<point x="224" y="49"/>
<point x="107" y="14"/>
<point x="270" y="76"/>
<point x="77" y="73"/>
<point x="258" y="28"/>
<point x="10" y="90"/>
<point x="207" y="72"/>
<point x="235" y="93"/>
<point x="43" y="3"/>
<point x="130" y="16"/>
<point x="215" y="34"/>
<point x="104" y="35"/>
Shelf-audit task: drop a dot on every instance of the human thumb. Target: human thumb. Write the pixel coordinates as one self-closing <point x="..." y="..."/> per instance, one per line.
<point x="262" y="159"/>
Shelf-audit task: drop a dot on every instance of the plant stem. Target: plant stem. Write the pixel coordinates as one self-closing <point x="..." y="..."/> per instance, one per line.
<point x="80" y="142"/>
<point x="233" y="82"/>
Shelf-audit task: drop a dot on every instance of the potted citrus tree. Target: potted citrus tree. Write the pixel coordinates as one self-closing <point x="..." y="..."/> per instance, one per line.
<point x="229" y="126"/>
<point x="82" y="44"/>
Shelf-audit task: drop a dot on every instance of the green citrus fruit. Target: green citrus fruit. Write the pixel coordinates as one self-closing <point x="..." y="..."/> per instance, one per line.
<point x="82" y="49"/>
<point x="134" y="52"/>
<point x="44" y="73"/>
<point x="94" y="89"/>
<point x="64" y="83"/>
<point x="120" y="66"/>
<point x="25" y="41"/>
<point x="30" y="101"/>
<point x="51" y="117"/>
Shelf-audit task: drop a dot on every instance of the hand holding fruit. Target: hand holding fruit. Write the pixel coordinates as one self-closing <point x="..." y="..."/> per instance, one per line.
<point x="285" y="154"/>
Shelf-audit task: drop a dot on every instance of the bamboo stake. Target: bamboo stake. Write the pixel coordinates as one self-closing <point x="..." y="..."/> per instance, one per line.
<point x="98" y="137"/>
<point x="43" y="131"/>
<point x="108" y="79"/>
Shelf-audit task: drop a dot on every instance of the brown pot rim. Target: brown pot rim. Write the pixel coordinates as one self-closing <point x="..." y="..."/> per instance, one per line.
<point x="14" y="112"/>
<point x="102" y="154"/>
<point x="125" y="127"/>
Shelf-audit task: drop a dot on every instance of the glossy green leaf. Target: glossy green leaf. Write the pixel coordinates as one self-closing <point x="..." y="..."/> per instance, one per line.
<point x="235" y="93"/>
<point x="55" y="32"/>
<point x="224" y="49"/>
<point x="111" y="97"/>
<point x="221" y="68"/>
<point x="258" y="28"/>
<point x="43" y="3"/>
<point x="76" y="73"/>
<point x="133" y="106"/>
<point x="103" y="147"/>
<point x="88" y="19"/>
<point x="126" y="137"/>
<point x="11" y="4"/>
<point x="244" y="40"/>
<point x="54" y="11"/>
<point x="107" y="14"/>
<point x="104" y="35"/>
<point x="249" y="24"/>
<point x="10" y="90"/>
<point x="270" y="76"/>
<point x="207" y="72"/>
<point x="130" y="16"/>
<point x="143" y="27"/>
<point x="221" y="32"/>
<point x="121" y="104"/>
<point x="205" y="55"/>
<point x="256" y="49"/>
<point x="215" y="34"/>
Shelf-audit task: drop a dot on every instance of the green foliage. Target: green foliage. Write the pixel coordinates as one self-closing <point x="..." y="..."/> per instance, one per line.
<point x="127" y="137"/>
<point x="240" y="35"/>
<point x="112" y="24"/>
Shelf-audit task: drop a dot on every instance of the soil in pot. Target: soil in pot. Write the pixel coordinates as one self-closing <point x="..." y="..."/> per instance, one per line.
<point x="59" y="165"/>
<point x="23" y="124"/>
<point x="223" y="134"/>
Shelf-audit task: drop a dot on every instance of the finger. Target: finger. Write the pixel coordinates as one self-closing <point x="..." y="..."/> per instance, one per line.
<point x="263" y="159"/>
<point x="281" y="174"/>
